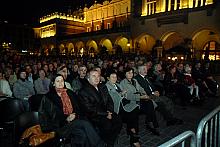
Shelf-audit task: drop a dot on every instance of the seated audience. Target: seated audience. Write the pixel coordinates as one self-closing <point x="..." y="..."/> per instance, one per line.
<point x="164" y="104"/>
<point x="98" y="107"/>
<point x="59" y="112"/>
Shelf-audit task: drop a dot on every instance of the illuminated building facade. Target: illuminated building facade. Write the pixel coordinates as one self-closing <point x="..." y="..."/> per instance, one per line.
<point x="135" y="26"/>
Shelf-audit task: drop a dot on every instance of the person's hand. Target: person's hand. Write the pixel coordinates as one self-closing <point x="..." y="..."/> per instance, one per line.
<point x="109" y="116"/>
<point x="71" y="117"/>
<point x="123" y="92"/>
<point x="146" y="97"/>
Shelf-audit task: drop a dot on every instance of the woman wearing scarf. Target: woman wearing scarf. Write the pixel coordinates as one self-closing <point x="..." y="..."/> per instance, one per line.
<point x="59" y="112"/>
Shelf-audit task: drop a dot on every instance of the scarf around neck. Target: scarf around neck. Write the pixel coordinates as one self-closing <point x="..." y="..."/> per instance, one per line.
<point x="67" y="106"/>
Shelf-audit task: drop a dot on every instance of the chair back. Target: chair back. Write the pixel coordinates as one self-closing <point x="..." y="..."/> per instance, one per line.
<point x="10" y="108"/>
<point x="35" y="102"/>
<point x="24" y="121"/>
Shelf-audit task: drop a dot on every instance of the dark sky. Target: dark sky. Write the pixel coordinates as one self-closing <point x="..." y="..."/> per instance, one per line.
<point x="28" y="11"/>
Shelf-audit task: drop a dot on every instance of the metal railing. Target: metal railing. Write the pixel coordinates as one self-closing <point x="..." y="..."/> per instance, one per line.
<point x="181" y="139"/>
<point x="208" y="131"/>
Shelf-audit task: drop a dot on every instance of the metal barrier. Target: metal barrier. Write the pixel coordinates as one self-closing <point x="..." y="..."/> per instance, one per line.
<point x="208" y="131"/>
<point x="181" y="138"/>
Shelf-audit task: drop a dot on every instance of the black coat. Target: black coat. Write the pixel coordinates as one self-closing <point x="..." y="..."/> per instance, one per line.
<point x="95" y="103"/>
<point x="51" y="110"/>
<point x="144" y="84"/>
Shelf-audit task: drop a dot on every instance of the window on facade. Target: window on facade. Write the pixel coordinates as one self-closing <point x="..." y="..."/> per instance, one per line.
<point x="88" y="29"/>
<point x="172" y="5"/>
<point x="211" y="51"/>
<point x="151" y="7"/>
<point x="108" y="25"/>
<point x="167" y="5"/>
<point x="178" y="4"/>
<point x="97" y="28"/>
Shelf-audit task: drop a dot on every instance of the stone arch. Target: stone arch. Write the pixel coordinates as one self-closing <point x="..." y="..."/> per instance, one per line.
<point x="122" y="44"/>
<point x="205" y="40"/>
<point x="80" y="47"/>
<point x="70" y="48"/>
<point x="92" y="46"/>
<point x="171" y="39"/>
<point x="145" y="43"/>
<point x="106" y="45"/>
<point x="62" y="48"/>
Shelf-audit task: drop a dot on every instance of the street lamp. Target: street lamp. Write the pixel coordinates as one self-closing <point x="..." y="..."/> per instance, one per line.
<point x="128" y="45"/>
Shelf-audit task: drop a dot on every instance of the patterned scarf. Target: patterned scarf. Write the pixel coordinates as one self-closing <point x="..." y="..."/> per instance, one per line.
<point x="67" y="106"/>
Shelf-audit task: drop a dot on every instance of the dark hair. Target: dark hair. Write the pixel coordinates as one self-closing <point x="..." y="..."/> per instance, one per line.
<point x="109" y="72"/>
<point x="55" y="76"/>
<point x="128" y="69"/>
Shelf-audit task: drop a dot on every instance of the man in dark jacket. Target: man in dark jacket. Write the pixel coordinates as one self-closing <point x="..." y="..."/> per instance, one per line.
<point x="165" y="105"/>
<point x="96" y="104"/>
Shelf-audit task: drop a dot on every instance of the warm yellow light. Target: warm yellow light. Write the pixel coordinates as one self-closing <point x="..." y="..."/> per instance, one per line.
<point x="61" y="16"/>
<point x="82" y="50"/>
<point x="169" y="58"/>
<point x="181" y="58"/>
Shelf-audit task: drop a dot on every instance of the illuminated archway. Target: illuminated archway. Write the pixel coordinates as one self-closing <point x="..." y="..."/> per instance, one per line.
<point x="122" y="43"/>
<point x="206" y="39"/>
<point x="92" y="46"/>
<point x="62" y="48"/>
<point x="80" y="47"/>
<point x="107" y="45"/>
<point x="70" y="48"/>
<point x="145" y="43"/>
<point x="171" y="39"/>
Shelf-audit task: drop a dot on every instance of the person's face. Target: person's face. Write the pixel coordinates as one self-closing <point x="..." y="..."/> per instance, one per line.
<point x="51" y="67"/>
<point x="64" y="73"/>
<point x="59" y="82"/>
<point x="38" y="65"/>
<point x="143" y="72"/>
<point x="8" y="71"/>
<point x="113" y="78"/>
<point x="129" y="75"/>
<point x="55" y="64"/>
<point x="45" y="68"/>
<point x="23" y="75"/>
<point x="42" y="74"/>
<point x="99" y="70"/>
<point x="75" y="68"/>
<point x="82" y="71"/>
<point x="180" y="67"/>
<point x="173" y="70"/>
<point x="159" y="67"/>
<point x="28" y="69"/>
<point x="149" y="65"/>
<point x="94" y="78"/>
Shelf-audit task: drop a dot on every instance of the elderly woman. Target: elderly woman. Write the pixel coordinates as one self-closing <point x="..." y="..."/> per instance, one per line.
<point x="59" y="112"/>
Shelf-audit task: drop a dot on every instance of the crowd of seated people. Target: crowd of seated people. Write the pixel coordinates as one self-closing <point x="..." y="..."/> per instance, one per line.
<point x="99" y="94"/>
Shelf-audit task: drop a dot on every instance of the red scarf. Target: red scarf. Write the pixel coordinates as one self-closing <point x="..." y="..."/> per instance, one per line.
<point x="67" y="106"/>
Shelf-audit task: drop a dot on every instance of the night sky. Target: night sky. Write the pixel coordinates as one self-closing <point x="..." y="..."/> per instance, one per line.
<point x="29" y="11"/>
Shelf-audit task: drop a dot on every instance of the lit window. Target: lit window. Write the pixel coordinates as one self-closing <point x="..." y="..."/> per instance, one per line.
<point x="97" y="27"/>
<point x="88" y="29"/>
<point x="150" y="7"/>
<point x="108" y="25"/>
